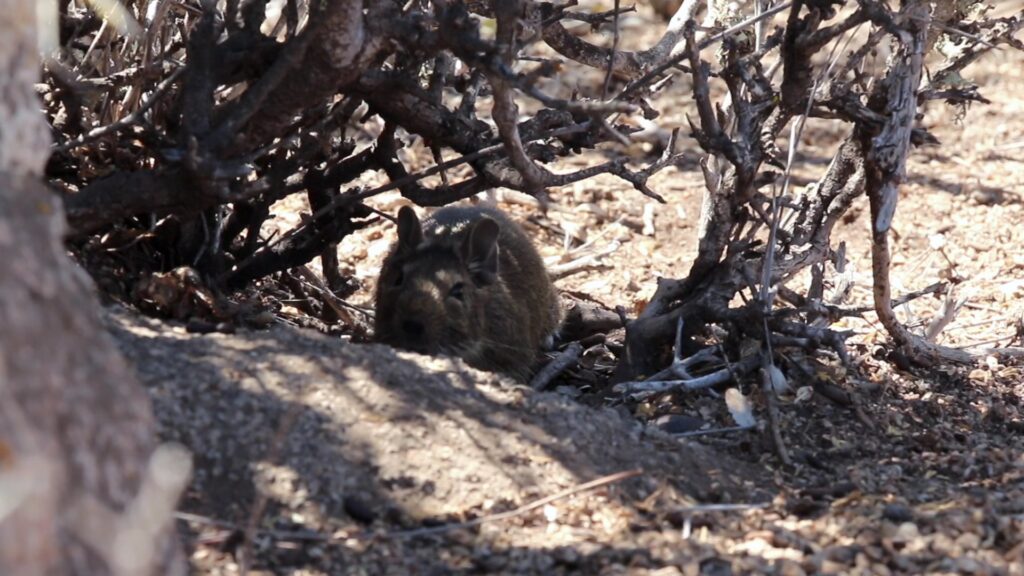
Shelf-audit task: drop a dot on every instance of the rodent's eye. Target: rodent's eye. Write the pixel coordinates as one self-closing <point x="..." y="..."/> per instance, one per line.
<point x="399" y="277"/>
<point x="456" y="291"/>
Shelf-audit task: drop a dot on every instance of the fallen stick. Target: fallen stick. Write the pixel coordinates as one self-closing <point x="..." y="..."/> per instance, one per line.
<point x="708" y="380"/>
<point x="727" y="430"/>
<point x="591" y="260"/>
<point x="719" y="508"/>
<point x="311" y="536"/>
<point x="599" y="482"/>
<point x="565" y="358"/>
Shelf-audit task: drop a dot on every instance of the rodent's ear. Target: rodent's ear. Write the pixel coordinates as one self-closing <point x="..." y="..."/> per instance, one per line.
<point x="410" y="233"/>
<point x="480" y="250"/>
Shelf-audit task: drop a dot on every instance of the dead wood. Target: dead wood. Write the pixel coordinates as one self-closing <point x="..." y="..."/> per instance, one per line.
<point x="739" y="137"/>
<point x="885" y="168"/>
<point x="184" y="141"/>
<point x="560" y="363"/>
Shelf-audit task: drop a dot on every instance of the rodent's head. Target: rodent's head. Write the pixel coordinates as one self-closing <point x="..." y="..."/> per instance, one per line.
<point x="432" y="293"/>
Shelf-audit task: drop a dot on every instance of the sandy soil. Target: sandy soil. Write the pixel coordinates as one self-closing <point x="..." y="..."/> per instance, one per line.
<point x="350" y="445"/>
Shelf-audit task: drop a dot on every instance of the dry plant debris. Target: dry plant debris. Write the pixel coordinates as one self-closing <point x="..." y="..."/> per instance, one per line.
<point x="863" y="461"/>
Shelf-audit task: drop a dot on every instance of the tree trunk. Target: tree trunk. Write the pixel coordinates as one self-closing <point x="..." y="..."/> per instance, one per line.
<point x="76" y="432"/>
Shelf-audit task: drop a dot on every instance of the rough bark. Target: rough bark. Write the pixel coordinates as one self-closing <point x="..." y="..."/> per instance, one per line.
<point x="158" y="193"/>
<point x="340" y="48"/>
<point x="76" y="434"/>
<point x="885" y="169"/>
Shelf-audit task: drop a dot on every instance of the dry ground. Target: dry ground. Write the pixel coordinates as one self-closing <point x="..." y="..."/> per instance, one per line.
<point x="928" y="478"/>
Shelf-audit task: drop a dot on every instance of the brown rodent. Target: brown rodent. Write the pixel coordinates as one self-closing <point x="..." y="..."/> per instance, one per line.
<point x="467" y="282"/>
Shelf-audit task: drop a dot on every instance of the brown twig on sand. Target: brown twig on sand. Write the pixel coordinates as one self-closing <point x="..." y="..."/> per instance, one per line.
<point x="585" y="487"/>
<point x="311" y="536"/>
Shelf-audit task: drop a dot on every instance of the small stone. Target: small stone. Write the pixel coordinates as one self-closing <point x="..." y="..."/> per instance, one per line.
<point x="844" y="555"/>
<point x="897" y="513"/>
<point x="905" y="533"/>
<point x="968" y="541"/>
<point x="225" y="328"/>
<point x="678" y="424"/>
<point x="359" y="509"/>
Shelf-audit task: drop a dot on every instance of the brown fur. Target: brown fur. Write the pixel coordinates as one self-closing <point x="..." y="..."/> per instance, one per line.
<point x="508" y="306"/>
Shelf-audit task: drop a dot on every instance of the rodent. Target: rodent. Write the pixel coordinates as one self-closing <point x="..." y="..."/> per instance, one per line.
<point x="467" y="281"/>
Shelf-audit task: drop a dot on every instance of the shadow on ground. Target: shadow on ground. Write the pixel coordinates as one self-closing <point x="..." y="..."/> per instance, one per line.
<point x="370" y="438"/>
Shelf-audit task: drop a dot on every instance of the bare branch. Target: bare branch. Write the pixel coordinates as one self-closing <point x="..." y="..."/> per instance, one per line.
<point x="885" y="167"/>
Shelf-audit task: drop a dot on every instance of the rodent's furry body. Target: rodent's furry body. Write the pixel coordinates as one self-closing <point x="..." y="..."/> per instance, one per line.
<point x="467" y="282"/>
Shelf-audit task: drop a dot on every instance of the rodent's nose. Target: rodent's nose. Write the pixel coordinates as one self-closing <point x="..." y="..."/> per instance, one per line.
<point x="413" y="329"/>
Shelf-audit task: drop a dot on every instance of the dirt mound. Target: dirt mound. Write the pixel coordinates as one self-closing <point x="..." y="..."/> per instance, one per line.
<point x="339" y="437"/>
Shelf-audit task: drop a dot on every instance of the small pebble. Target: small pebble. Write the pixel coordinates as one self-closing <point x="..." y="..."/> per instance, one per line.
<point x="897" y="513"/>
